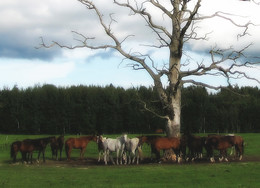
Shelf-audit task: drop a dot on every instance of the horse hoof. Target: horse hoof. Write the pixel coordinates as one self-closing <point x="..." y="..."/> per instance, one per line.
<point x="212" y="160"/>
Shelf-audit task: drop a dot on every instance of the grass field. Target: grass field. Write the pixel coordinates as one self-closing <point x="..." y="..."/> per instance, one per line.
<point x="87" y="173"/>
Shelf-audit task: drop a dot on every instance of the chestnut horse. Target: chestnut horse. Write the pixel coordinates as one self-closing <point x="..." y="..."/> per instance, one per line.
<point x="57" y="145"/>
<point x="149" y="139"/>
<point x="222" y="143"/>
<point x="167" y="143"/>
<point x="78" y="143"/>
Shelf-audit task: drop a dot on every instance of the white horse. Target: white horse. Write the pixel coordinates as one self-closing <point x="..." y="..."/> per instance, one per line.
<point x="132" y="148"/>
<point x="114" y="145"/>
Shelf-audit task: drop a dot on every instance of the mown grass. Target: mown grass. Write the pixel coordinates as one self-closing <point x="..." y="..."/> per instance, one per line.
<point x="231" y="174"/>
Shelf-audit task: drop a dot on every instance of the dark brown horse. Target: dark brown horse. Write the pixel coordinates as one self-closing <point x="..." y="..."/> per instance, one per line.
<point x="38" y="144"/>
<point x="78" y="143"/>
<point x="222" y="143"/>
<point x="166" y="144"/>
<point x="15" y="148"/>
<point x="27" y="146"/>
<point x="57" y="146"/>
<point x="195" y="145"/>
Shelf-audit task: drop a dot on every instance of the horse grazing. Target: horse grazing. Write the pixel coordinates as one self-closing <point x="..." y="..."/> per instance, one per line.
<point x="239" y="146"/>
<point x="57" y="145"/>
<point x="222" y="143"/>
<point x="78" y="143"/>
<point x="195" y="145"/>
<point x="167" y="143"/>
<point x="114" y="145"/>
<point x="133" y="149"/>
<point x="15" y="148"/>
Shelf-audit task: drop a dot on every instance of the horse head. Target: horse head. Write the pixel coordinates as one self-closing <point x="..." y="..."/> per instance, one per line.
<point x="124" y="136"/>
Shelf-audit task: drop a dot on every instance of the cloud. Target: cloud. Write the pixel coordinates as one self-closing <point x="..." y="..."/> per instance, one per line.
<point x="24" y="22"/>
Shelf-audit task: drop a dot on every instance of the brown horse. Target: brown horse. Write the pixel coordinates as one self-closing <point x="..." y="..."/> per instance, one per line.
<point x="57" y="145"/>
<point x="15" y="148"/>
<point x="195" y="145"/>
<point x="167" y="143"/>
<point x="27" y="146"/>
<point x="222" y="143"/>
<point x="239" y="146"/>
<point x="149" y="139"/>
<point x="78" y="143"/>
<point x="38" y="144"/>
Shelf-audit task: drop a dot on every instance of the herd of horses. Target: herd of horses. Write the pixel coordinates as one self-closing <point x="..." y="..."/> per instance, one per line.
<point x="129" y="150"/>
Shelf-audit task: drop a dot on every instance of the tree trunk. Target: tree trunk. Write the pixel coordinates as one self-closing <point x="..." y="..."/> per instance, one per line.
<point x="173" y="124"/>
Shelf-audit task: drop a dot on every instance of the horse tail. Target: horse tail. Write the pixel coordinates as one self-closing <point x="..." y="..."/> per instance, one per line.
<point x="243" y="145"/>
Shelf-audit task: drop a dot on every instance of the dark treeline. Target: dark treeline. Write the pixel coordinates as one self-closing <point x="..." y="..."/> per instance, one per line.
<point x="90" y="109"/>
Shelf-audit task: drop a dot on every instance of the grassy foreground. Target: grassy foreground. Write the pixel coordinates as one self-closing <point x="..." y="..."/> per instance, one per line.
<point x="232" y="174"/>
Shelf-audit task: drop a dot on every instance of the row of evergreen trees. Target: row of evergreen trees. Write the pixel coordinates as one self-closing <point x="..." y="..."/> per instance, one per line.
<point x="81" y="109"/>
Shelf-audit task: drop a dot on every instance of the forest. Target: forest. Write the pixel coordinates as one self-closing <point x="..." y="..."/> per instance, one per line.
<point x="49" y="109"/>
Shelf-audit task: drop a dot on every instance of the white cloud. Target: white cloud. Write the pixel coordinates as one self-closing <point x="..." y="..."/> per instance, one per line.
<point x="25" y="21"/>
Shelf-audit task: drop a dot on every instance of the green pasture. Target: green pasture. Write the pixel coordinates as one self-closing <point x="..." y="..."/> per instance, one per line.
<point x="243" y="173"/>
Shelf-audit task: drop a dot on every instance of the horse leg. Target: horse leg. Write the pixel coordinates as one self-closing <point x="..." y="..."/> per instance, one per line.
<point x="211" y="155"/>
<point x="158" y="156"/>
<point x="137" y="157"/>
<point x="111" y="158"/>
<point x="83" y="152"/>
<point x="99" y="155"/>
<point x="105" y="157"/>
<point x="133" y="153"/>
<point x="68" y="153"/>
<point x="221" y="157"/>
<point x="38" y="159"/>
<point x="60" y="149"/>
<point x="117" y="155"/>
<point x="43" y="155"/>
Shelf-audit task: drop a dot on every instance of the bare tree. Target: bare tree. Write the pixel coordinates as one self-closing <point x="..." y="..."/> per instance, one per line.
<point x="183" y="16"/>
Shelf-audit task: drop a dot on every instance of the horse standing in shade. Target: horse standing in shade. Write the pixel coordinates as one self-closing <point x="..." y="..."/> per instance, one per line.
<point x="167" y="143"/>
<point x="195" y="145"/>
<point x="57" y="145"/>
<point x="114" y="145"/>
<point x="222" y="143"/>
<point x="78" y="143"/>
<point x="133" y="149"/>
<point x="149" y="139"/>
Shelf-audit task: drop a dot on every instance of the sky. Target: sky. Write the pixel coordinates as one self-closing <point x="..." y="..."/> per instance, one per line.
<point x="23" y="23"/>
